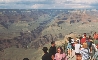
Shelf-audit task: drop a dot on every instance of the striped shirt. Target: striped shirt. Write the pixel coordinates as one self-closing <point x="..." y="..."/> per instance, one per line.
<point x="84" y="53"/>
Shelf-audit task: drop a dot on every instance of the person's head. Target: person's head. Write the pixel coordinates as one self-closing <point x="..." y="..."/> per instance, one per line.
<point x="53" y="43"/>
<point x="45" y="49"/>
<point x="87" y="38"/>
<point x="69" y="39"/>
<point x="25" y="59"/>
<point x="84" y="35"/>
<point x="77" y="42"/>
<point x="85" y="45"/>
<point x="95" y="33"/>
<point x="77" y="37"/>
<point x="60" y="50"/>
<point x="92" y="41"/>
<point x="80" y="37"/>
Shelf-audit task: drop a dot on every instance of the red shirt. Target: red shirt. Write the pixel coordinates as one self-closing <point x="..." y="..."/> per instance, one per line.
<point x="83" y="40"/>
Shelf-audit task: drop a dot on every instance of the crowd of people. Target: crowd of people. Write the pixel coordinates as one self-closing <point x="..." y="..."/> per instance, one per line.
<point x="53" y="53"/>
<point x="84" y="49"/>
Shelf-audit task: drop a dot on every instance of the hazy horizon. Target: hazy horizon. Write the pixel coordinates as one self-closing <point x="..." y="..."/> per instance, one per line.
<point x="48" y="4"/>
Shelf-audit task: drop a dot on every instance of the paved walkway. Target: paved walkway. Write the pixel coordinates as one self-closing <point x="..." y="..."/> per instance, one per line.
<point x="73" y="57"/>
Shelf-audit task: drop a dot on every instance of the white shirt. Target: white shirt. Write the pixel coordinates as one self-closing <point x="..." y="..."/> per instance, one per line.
<point x="77" y="48"/>
<point x="72" y="40"/>
<point x="94" y="47"/>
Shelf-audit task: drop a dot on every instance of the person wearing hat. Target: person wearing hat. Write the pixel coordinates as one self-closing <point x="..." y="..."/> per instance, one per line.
<point x="46" y="55"/>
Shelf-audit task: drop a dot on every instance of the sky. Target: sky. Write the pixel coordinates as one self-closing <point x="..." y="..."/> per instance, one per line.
<point x="48" y="4"/>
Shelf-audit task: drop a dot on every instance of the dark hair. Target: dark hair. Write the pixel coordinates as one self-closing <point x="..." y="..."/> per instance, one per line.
<point x="77" y="41"/>
<point x="60" y="49"/>
<point x="85" y="34"/>
<point x="45" y="49"/>
<point x="25" y="59"/>
<point x="80" y="37"/>
<point x="95" y="32"/>
<point x="52" y="42"/>
<point x="90" y="37"/>
<point x="87" y="38"/>
<point x="69" y="39"/>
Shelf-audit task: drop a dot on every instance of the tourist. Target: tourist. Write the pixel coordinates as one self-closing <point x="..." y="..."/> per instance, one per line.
<point x="46" y="55"/>
<point x="84" y="52"/>
<point x="52" y="49"/>
<point x="95" y="56"/>
<point x="94" y="48"/>
<point x="73" y="47"/>
<point x="83" y="40"/>
<point x="60" y="55"/>
<point x="91" y="42"/>
<point x="69" y="47"/>
<point x="95" y="36"/>
<point x="77" y="50"/>
<point x="72" y="43"/>
<point x="78" y="39"/>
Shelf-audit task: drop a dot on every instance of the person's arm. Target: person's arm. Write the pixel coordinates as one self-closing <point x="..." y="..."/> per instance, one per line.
<point x="81" y="51"/>
<point x="55" y="57"/>
<point x="52" y="56"/>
